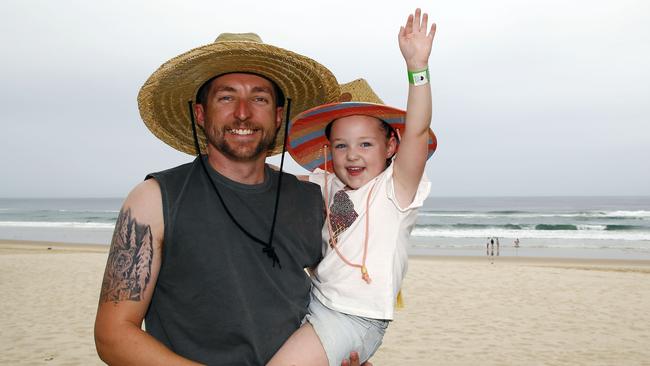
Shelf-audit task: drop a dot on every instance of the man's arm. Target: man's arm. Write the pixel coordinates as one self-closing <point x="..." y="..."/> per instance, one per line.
<point x="415" y="45"/>
<point x="129" y="279"/>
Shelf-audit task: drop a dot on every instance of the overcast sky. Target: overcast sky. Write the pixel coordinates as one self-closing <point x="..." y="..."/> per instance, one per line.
<point x="542" y="97"/>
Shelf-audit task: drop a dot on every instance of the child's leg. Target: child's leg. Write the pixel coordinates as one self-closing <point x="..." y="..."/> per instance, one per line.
<point x="302" y="348"/>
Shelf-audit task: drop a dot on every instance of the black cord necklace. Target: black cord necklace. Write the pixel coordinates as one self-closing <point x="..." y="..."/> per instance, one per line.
<point x="268" y="249"/>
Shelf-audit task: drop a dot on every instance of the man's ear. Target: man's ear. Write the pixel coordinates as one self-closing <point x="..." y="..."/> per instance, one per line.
<point x="279" y="113"/>
<point x="199" y="114"/>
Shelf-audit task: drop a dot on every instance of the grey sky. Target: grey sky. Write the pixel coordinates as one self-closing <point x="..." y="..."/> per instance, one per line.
<point x="530" y="97"/>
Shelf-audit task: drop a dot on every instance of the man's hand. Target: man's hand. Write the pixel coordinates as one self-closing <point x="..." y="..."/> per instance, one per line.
<point x="414" y="42"/>
<point x="354" y="360"/>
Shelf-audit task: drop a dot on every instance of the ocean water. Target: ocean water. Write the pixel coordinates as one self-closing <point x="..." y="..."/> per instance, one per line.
<point x="592" y="227"/>
<point x="69" y="220"/>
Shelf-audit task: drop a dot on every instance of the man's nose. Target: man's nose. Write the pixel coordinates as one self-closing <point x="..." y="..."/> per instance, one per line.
<point x="243" y="111"/>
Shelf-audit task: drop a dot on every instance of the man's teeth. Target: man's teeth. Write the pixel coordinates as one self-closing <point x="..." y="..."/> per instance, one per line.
<point x="241" y="131"/>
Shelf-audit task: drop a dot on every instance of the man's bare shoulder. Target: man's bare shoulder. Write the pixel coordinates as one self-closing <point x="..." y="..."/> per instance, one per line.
<point x="144" y="204"/>
<point x="143" y="193"/>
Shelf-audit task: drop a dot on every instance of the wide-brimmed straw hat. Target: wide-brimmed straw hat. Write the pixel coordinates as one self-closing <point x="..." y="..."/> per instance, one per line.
<point x="163" y="99"/>
<point x="307" y="130"/>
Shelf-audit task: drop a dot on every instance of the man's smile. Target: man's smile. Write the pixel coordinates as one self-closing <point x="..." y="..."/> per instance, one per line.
<point x="241" y="131"/>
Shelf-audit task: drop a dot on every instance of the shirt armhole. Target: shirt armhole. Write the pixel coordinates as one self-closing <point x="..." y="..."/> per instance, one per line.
<point x="424" y="187"/>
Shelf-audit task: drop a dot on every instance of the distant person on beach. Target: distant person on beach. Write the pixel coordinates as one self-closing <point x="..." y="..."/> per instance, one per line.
<point x="198" y="251"/>
<point x="372" y="201"/>
<point x="498" y="247"/>
<point x="517" y="243"/>
<point x="492" y="246"/>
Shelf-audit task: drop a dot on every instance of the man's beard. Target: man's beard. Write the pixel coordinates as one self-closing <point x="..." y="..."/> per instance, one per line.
<point x="242" y="153"/>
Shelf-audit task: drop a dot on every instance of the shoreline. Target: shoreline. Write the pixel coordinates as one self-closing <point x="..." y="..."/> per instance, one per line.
<point x="34" y="246"/>
<point x="533" y="260"/>
<point x="38" y="246"/>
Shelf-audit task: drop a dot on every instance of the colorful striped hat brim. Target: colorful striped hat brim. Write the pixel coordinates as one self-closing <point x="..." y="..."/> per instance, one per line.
<point x="307" y="130"/>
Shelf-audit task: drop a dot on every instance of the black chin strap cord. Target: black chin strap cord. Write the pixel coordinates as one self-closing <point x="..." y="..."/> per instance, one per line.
<point x="277" y="194"/>
<point x="268" y="249"/>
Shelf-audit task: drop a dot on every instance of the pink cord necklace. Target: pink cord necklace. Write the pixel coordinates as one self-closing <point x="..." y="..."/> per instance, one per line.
<point x="333" y="241"/>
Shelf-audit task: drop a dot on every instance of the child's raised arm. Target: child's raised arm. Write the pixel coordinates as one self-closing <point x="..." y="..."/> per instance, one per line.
<point x="415" y="44"/>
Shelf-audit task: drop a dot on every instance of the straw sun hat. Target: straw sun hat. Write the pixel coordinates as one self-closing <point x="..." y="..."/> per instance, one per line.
<point x="307" y="130"/>
<point x="163" y="99"/>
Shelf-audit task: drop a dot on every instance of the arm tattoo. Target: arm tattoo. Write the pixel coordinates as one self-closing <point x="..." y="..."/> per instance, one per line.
<point x="128" y="268"/>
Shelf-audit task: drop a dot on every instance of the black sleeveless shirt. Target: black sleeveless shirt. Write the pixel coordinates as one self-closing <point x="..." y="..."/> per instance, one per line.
<point x="218" y="299"/>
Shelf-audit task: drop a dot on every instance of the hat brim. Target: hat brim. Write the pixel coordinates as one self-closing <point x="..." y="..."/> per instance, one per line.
<point x="163" y="99"/>
<point x="307" y="130"/>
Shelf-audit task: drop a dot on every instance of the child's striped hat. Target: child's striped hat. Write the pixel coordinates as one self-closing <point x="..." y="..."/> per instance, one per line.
<point x="307" y="130"/>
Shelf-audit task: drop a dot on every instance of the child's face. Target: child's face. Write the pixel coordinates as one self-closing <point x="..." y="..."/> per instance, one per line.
<point x="359" y="149"/>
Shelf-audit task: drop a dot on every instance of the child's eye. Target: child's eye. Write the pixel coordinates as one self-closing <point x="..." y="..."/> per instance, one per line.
<point x="366" y="144"/>
<point x="339" y="146"/>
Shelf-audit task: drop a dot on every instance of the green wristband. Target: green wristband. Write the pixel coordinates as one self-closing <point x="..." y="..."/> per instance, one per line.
<point x="418" y="78"/>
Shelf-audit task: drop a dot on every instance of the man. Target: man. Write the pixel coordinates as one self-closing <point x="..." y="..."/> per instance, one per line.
<point x="211" y="253"/>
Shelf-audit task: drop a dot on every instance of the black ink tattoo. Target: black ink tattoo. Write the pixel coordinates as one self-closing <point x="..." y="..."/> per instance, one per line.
<point x="128" y="268"/>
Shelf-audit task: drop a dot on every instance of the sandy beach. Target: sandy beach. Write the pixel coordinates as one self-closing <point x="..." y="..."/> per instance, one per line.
<point x="459" y="310"/>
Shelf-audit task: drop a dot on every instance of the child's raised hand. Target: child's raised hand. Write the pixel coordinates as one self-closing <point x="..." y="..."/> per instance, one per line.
<point x="414" y="42"/>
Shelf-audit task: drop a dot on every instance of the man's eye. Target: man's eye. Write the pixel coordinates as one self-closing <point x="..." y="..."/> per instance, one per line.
<point x="261" y="99"/>
<point x="226" y="98"/>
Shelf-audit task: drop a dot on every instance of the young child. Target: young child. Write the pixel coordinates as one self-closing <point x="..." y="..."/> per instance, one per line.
<point x="371" y="200"/>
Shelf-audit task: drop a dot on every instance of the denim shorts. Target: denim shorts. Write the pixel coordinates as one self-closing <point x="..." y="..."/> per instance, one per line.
<point x="342" y="333"/>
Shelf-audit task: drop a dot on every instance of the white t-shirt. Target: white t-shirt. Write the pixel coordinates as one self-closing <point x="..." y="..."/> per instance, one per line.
<point x="340" y="286"/>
